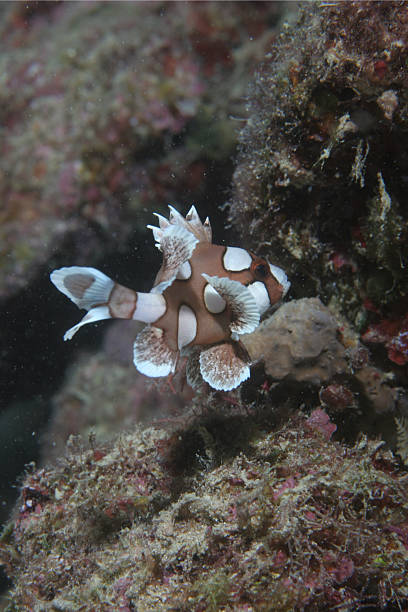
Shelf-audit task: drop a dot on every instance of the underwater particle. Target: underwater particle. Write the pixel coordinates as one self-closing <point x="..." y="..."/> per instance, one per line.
<point x="388" y="102"/>
<point x="204" y="298"/>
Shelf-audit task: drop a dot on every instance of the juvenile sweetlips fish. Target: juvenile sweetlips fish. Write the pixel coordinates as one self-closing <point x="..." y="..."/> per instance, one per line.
<point x="204" y="298"/>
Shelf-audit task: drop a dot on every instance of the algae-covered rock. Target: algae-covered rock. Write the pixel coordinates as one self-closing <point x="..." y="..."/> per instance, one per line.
<point x="289" y="521"/>
<point x="321" y="177"/>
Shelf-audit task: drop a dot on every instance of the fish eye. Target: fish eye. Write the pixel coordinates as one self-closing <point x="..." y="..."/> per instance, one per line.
<point x="260" y="269"/>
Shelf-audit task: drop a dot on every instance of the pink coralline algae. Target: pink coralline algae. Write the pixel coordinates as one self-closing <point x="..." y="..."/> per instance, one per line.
<point x="320" y="421"/>
<point x="398" y="347"/>
<point x="394" y="335"/>
<point x="337" y="397"/>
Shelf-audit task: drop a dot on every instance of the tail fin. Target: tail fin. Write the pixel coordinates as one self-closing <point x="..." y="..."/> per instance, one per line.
<point x="86" y="287"/>
<point x="92" y="290"/>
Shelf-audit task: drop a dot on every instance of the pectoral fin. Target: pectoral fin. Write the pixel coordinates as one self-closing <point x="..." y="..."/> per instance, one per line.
<point x="222" y="368"/>
<point x="244" y="310"/>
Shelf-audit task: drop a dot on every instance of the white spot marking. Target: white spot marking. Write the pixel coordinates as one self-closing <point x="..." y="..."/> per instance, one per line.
<point x="184" y="271"/>
<point x="149" y="307"/>
<point x="213" y="301"/>
<point x="281" y="277"/>
<point x="244" y="309"/>
<point x="260" y="295"/>
<point x="236" y="259"/>
<point x="187" y="326"/>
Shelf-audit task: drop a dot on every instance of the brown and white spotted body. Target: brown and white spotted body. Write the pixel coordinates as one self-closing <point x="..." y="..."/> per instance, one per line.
<point x="204" y="297"/>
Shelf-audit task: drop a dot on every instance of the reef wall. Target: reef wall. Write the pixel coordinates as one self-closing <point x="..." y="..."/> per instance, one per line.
<point x="322" y="172"/>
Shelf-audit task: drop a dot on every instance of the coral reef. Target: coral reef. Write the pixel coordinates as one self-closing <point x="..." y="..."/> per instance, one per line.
<point x="270" y="497"/>
<point x="165" y="520"/>
<point x="321" y="177"/>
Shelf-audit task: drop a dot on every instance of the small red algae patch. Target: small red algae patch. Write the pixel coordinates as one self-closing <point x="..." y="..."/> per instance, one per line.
<point x="319" y="421"/>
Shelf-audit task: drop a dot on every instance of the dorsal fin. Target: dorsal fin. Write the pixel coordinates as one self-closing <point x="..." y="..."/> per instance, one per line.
<point x="192" y="223"/>
<point x="245" y="312"/>
<point x="201" y="230"/>
<point x="177" y="245"/>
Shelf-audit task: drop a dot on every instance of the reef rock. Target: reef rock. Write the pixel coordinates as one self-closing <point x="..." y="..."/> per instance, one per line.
<point x="299" y="342"/>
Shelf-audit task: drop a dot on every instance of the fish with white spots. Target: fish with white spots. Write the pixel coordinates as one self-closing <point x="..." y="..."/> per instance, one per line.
<point x="204" y="297"/>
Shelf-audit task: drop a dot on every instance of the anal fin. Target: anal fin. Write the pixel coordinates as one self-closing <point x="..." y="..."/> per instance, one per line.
<point x="151" y="354"/>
